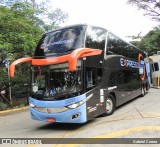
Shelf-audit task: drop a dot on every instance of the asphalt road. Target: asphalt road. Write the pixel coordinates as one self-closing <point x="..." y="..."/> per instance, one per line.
<point x="139" y="118"/>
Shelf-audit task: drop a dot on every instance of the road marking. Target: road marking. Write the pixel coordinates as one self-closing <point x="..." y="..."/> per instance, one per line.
<point x="32" y="145"/>
<point x="101" y="122"/>
<point x="150" y="114"/>
<point x="129" y="131"/>
<point x="124" y="117"/>
<point x="112" y="135"/>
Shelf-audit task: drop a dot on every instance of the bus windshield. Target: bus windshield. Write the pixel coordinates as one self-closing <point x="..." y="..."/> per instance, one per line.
<point x="61" y="41"/>
<point x="56" y="82"/>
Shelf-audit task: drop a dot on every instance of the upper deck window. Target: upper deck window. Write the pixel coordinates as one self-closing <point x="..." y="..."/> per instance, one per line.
<point x="117" y="46"/>
<point x="96" y="38"/>
<point x="61" y="41"/>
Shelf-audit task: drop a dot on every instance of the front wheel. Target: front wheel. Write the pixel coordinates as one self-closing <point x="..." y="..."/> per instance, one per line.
<point x="110" y="105"/>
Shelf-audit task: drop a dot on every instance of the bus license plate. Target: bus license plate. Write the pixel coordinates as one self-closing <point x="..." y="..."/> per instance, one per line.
<point x="48" y="119"/>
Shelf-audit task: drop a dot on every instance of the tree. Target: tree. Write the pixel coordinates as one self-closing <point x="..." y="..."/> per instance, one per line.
<point x="21" y="26"/>
<point x="19" y="31"/>
<point x="19" y="34"/>
<point x="151" y="7"/>
<point x="43" y="11"/>
<point x="151" y="41"/>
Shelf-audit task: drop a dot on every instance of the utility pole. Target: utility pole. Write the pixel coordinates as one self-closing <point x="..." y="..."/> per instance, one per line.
<point x="10" y="92"/>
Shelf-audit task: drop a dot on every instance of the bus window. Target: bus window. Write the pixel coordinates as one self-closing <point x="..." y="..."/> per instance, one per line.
<point x="54" y="81"/>
<point x="119" y="47"/>
<point x="93" y="77"/>
<point x="61" y="41"/>
<point x="96" y="38"/>
<point x="119" y="77"/>
<point x="156" y="66"/>
<point x="39" y="80"/>
<point x="113" y="45"/>
<point x="134" y="53"/>
<point x="90" y="77"/>
<point x="127" y="76"/>
<point x="63" y="81"/>
<point x="112" y="79"/>
<point x="126" y="50"/>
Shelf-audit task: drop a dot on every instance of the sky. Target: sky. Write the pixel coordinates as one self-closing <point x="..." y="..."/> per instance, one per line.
<point x="115" y="15"/>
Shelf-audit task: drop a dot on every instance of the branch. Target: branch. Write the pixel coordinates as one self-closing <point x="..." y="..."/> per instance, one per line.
<point x="151" y="7"/>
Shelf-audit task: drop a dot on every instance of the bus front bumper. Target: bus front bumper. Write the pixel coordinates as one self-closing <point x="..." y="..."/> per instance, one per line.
<point x="76" y="115"/>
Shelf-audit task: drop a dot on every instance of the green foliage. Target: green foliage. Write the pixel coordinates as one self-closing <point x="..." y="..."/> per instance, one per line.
<point x="3" y="77"/>
<point x="19" y="34"/>
<point x="21" y="27"/>
<point x="151" y="42"/>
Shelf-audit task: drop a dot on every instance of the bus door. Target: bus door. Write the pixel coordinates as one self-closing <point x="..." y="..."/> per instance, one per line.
<point x="93" y="84"/>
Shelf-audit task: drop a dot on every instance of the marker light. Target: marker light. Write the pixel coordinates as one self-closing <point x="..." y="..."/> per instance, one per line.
<point x="32" y="105"/>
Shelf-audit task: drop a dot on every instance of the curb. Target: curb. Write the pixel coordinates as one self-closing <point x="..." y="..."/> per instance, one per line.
<point x="5" y="112"/>
<point x="156" y="87"/>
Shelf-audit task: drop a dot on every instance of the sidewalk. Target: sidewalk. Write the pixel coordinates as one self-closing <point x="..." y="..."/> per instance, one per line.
<point x="5" y="112"/>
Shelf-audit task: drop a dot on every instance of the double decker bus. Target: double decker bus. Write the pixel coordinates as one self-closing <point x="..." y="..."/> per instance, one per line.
<point x="82" y="71"/>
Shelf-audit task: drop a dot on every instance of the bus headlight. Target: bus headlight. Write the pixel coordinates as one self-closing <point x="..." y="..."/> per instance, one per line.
<point x="76" y="104"/>
<point x="72" y="106"/>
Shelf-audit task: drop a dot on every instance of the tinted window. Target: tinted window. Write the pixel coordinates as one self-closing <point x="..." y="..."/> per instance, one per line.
<point x="114" y="44"/>
<point x="96" y="38"/>
<point x="124" y="77"/>
<point x="112" y="79"/>
<point x="93" y="77"/>
<point x="55" y="81"/>
<point x="134" y="53"/>
<point x="60" y="41"/>
<point x="119" y="47"/>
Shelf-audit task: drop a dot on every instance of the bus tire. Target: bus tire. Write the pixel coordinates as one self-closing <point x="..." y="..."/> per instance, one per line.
<point x="110" y="105"/>
<point x="143" y="92"/>
<point x="145" y="89"/>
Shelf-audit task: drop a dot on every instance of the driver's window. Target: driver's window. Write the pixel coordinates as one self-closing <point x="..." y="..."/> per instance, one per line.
<point x="93" y="77"/>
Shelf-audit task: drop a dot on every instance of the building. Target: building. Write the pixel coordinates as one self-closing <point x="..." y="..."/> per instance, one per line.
<point x="155" y="69"/>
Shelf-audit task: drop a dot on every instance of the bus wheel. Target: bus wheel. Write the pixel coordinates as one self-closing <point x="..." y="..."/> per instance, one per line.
<point x="110" y="105"/>
<point x="143" y="91"/>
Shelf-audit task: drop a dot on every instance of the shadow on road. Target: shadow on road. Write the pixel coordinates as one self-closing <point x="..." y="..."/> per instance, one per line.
<point x="64" y="126"/>
<point x="72" y="126"/>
